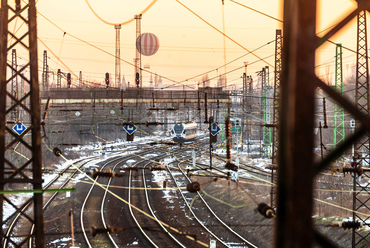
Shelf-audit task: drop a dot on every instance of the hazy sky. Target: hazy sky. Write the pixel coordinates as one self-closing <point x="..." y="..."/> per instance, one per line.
<point x="188" y="46"/>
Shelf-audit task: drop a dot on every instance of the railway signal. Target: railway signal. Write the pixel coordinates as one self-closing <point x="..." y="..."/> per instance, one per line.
<point x="69" y="80"/>
<point x="130" y="130"/>
<point x="214" y="130"/>
<point x="229" y="165"/>
<point x="107" y="79"/>
<point x="137" y="79"/>
<point x="19" y="128"/>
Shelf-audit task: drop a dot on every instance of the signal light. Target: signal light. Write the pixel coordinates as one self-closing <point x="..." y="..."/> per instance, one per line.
<point x="107" y="79"/>
<point x="69" y="80"/>
<point x="137" y="79"/>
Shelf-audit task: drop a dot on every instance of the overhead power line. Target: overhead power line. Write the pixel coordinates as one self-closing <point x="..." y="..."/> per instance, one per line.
<point x="224" y="34"/>
<point x="259" y="12"/>
<point x="122" y="23"/>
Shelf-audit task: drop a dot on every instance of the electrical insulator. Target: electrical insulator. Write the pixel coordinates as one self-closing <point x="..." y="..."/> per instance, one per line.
<point x="193" y="187"/>
<point x="231" y="166"/>
<point x="158" y="167"/>
<point x="355" y="168"/>
<point x="69" y="79"/>
<point x="57" y="152"/>
<point x="351" y="224"/>
<point x="137" y="79"/>
<point x="95" y="173"/>
<point x="266" y="210"/>
<point x="94" y="230"/>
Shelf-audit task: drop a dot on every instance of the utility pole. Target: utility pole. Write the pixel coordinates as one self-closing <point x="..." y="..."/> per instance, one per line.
<point x="30" y="138"/>
<point x="138" y="54"/>
<point x="118" y="56"/>
<point x="244" y="105"/>
<point x="80" y="79"/>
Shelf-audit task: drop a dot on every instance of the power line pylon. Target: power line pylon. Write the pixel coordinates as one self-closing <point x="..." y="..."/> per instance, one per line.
<point x="266" y="131"/>
<point x="118" y="56"/>
<point x="276" y="99"/>
<point x="19" y="176"/>
<point x="297" y="167"/>
<point x="338" y="136"/>
<point x="361" y="157"/>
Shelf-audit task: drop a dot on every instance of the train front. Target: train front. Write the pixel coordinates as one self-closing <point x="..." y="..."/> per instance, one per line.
<point x="178" y="133"/>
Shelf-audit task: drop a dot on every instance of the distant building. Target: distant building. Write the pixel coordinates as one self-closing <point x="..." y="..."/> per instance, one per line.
<point x="160" y="85"/>
<point x="123" y="84"/>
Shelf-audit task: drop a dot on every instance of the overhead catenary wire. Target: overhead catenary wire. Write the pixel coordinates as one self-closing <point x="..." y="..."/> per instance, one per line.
<point x="231" y="39"/>
<point x="164" y="77"/>
<point x="122" y="23"/>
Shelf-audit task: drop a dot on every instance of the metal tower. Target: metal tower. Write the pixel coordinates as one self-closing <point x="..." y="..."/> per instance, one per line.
<point x="297" y="167"/>
<point x="275" y="137"/>
<point x="59" y="79"/>
<point x="118" y="56"/>
<point x="138" y="54"/>
<point x="25" y="174"/>
<point x="45" y="85"/>
<point x="361" y="157"/>
<point x="266" y="131"/>
<point x="15" y="89"/>
<point x="338" y="136"/>
<point x="276" y="99"/>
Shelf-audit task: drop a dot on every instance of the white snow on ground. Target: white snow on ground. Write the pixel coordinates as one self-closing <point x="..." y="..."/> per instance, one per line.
<point x="58" y="241"/>
<point x="19" y="199"/>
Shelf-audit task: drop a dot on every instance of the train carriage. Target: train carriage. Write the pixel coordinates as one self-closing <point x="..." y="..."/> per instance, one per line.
<point x="183" y="132"/>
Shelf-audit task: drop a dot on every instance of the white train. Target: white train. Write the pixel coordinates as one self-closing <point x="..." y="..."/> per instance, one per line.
<point x="183" y="132"/>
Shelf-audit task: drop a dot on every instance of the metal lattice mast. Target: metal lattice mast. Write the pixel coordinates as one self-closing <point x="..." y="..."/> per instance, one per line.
<point x="361" y="145"/>
<point x="118" y="56"/>
<point x="261" y="74"/>
<point x="266" y="131"/>
<point x="138" y="54"/>
<point x="80" y="79"/>
<point x="15" y="111"/>
<point x="276" y="99"/>
<point x="59" y="79"/>
<point x="28" y="175"/>
<point x="338" y="136"/>
<point x="45" y="85"/>
<point x="275" y="137"/>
